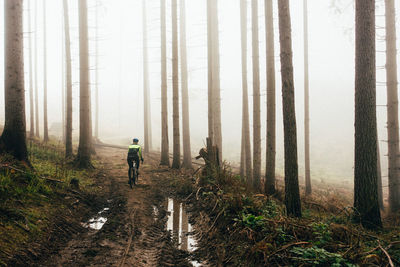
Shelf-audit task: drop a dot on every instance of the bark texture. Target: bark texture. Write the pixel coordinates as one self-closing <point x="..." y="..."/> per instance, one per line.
<point x="269" y="186"/>
<point x="306" y="102"/>
<point x="256" y="99"/>
<point x="37" y="133"/>
<point x="214" y="94"/>
<point x="176" y="162"/>
<point x="96" y="128"/>
<point x="146" y="102"/>
<point x="187" y="157"/>
<point x="68" y="74"/>
<point x="31" y="96"/>
<point x="13" y="139"/>
<point x="45" y="117"/>
<point x="292" y="194"/>
<point x="246" y="145"/>
<point x="392" y="107"/>
<point x="85" y="130"/>
<point x="365" y="165"/>
<point x="164" y="89"/>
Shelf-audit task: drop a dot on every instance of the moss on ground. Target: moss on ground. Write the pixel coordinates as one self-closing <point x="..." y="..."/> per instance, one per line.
<point x="30" y="200"/>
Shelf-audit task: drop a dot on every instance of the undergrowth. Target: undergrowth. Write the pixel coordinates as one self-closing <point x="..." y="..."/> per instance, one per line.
<point x="30" y="197"/>
<point x="248" y="229"/>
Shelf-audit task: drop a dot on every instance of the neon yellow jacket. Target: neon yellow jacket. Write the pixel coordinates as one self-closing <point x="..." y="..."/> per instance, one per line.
<point x="139" y="149"/>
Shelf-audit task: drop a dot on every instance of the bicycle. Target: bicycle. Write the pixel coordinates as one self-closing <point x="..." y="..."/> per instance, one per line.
<point x="133" y="177"/>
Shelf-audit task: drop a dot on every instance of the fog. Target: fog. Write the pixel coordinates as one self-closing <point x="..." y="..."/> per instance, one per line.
<point x="120" y="79"/>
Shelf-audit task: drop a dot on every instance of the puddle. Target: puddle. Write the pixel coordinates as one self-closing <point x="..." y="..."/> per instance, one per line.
<point x="155" y="213"/>
<point x="98" y="221"/>
<point x="180" y="227"/>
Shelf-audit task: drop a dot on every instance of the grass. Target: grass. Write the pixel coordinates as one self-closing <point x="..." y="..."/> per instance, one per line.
<point x="28" y="202"/>
<point x="250" y="229"/>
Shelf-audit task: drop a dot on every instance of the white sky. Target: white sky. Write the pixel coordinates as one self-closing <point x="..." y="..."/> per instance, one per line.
<point x="120" y="75"/>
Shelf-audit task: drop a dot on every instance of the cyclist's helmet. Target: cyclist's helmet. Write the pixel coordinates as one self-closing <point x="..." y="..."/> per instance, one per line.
<point x="135" y="140"/>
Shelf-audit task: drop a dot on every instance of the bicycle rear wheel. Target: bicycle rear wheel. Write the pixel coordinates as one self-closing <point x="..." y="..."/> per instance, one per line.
<point x="131" y="179"/>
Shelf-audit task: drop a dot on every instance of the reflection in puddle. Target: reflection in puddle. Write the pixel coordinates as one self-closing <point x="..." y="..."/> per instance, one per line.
<point x="180" y="227"/>
<point x="155" y="212"/>
<point x="97" y="222"/>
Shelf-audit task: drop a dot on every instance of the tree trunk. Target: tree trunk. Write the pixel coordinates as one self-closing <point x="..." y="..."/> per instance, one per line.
<point x="176" y="162"/>
<point x="216" y="81"/>
<point x="68" y="126"/>
<point x="246" y="146"/>
<point x="392" y="107"/>
<point x="164" y="90"/>
<point x="145" y="83"/>
<point x="269" y="186"/>
<point x="306" y="103"/>
<point x="256" y="99"/>
<point x="85" y="134"/>
<point x="63" y="82"/>
<point x="210" y="71"/>
<point x="37" y="134"/>
<point x="292" y="194"/>
<point x="379" y="170"/>
<point x="187" y="157"/>
<point x="45" y="120"/>
<point x="214" y="98"/>
<point x="96" y="129"/>
<point x="13" y="139"/>
<point x="365" y="166"/>
<point x="31" y="97"/>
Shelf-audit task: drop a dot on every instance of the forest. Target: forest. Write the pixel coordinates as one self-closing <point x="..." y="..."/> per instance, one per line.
<point x="199" y="133"/>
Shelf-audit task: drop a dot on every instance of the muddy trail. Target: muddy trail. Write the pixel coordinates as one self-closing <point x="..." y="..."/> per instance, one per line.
<point x="143" y="226"/>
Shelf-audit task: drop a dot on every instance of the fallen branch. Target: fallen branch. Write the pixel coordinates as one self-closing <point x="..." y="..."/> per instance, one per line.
<point x="387" y="255"/>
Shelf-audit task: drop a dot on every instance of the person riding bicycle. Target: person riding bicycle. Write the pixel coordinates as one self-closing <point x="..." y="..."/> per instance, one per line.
<point x="135" y="154"/>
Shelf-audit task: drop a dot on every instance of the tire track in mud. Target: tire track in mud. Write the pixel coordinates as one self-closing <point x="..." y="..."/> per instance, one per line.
<point x="134" y="235"/>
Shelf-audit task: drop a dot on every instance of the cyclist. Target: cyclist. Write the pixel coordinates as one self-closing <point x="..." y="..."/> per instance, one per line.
<point x="135" y="154"/>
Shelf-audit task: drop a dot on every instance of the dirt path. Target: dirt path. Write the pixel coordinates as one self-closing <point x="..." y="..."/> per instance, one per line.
<point x="135" y="233"/>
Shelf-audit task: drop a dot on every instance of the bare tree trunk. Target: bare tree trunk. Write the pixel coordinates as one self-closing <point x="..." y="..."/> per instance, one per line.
<point x="292" y="194"/>
<point x="365" y="166"/>
<point x="216" y="81"/>
<point x="63" y="81"/>
<point x="85" y="134"/>
<point x="96" y="129"/>
<point x="68" y="126"/>
<point x="242" y="156"/>
<point x="256" y="99"/>
<point x="13" y="139"/>
<point x="306" y="103"/>
<point x="210" y="71"/>
<point x="187" y="157"/>
<point x="45" y="120"/>
<point x="164" y="88"/>
<point x="31" y="101"/>
<point x="246" y="146"/>
<point x="37" y="134"/>
<point x="214" y="98"/>
<point x="145" y="82"/>
<point x="392" y="107"/>
<point x="379" y="170"/>
<point x="176" y="162"/>
<point x="269" y="186"/>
